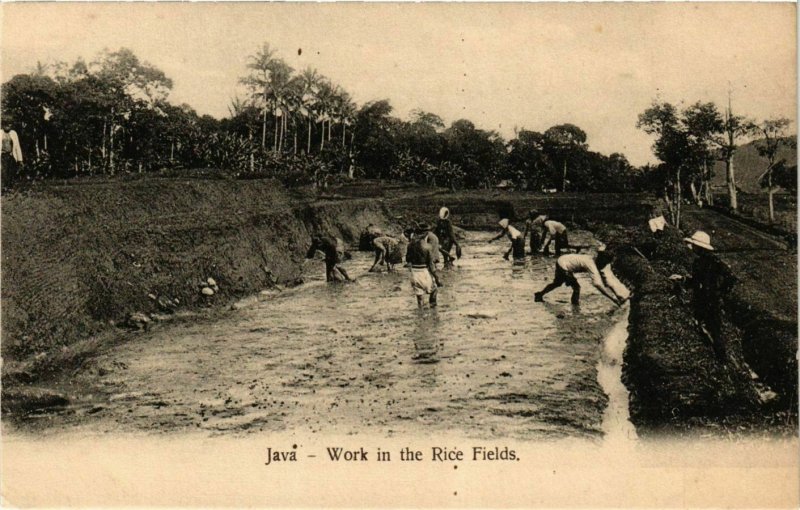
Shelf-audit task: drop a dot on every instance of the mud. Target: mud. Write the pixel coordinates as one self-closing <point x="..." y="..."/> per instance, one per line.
<point x="80" y="259"/>
<point x="361" y="358"/>
<point x="677" y="382"/>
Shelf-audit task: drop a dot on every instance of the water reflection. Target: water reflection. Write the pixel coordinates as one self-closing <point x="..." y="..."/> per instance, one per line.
<point x="488" y="360"/>
<point x="425" y="335"/>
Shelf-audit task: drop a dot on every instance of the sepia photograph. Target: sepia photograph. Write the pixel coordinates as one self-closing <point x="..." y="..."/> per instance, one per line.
<point x="399" y="254"/>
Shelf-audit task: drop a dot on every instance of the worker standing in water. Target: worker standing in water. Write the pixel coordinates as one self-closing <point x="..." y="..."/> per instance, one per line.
<point x="553" y="231"/>
<point x="421" y="255"/>
<point x="333" y="249"/>
<point x="390" y="251"/>
<point x="533" y="227"/>
<point x="517" y="241"/>
<point x="447" y="237"/>
<point x="568" y="265"/>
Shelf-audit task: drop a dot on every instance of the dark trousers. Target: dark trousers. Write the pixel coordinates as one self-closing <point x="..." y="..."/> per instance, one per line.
<point x="9" y="170"/>
<point x="562" y="277"/>
<point x="561" y="241"/>
<point x="518" y="248"/>
<point x="536" y="241"/>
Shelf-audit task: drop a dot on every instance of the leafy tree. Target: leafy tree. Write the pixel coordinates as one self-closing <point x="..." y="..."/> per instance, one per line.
<point x="704" y="125"/>
<point x="479" y="153"/>
<point x="374" y="135"/>
<point x="565" y="142"/>
<point x="734" y="128"/>
<point x="785" y="176"/>
<point x="672" y="146"/>
<point x="774" y="136"/>
<point x="528" y="161"/>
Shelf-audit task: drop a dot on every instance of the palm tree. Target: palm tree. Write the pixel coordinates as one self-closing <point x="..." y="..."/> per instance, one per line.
<point x="259" y="81"/>
<point x="309" y="80"/>
<point x="325" y="96"/>
<point x="280" y="89"/>
<point x="347" y="112"/>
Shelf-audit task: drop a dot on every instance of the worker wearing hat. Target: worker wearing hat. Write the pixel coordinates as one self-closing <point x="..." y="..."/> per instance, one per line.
<point x="517" y="239"/>
<point x="711" y="280"/>
<point x="447" y="237"/>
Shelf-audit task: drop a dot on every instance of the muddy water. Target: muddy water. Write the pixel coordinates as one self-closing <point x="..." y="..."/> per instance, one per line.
<point x="361" y="358"/>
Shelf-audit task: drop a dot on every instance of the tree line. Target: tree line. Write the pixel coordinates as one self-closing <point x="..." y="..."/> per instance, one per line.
<point x="688" y="141"/>
<point x="112" y="115"/>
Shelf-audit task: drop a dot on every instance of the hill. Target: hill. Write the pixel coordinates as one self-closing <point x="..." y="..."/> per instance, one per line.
<point x="749" y="166"/>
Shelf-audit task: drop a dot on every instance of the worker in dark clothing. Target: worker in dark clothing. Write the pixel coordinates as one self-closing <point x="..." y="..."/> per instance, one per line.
<point x="447" y="237"/>
<point x="710" y="282"/>
<point x="333" y="249"/>
<point x="532" y="227"/>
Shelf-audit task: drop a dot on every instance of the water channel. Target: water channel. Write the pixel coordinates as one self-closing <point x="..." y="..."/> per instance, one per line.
<point x="361" y="358"/>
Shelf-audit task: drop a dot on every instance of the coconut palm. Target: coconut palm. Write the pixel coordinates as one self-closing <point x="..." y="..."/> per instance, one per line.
<point x="325" y="98"/>
<point x="309" y="81"/>
<point x="279" y="97"/>
<point x="259" y="82"/>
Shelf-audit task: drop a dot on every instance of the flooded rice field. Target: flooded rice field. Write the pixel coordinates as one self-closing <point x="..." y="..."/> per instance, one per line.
<point x="361" y="358"/>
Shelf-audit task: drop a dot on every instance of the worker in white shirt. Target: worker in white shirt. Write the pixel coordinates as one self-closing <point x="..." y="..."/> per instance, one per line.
<point x="517" y="241"/>
<point x="568" y="265"/>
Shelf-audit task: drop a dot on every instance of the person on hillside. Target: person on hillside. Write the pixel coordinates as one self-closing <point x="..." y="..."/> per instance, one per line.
<point x="553" y="231"/>
<point x="10" y="154"/>
<point x="421" y="256"/>
<point x="533" y="227"/>
<point x="710" y="281"/>
<point x="568" y="265"/>
<point x="390" y="251"/>
<point x="447" y="237"/>
<point x="517" y="241"/>
<point x="333" y="249"/>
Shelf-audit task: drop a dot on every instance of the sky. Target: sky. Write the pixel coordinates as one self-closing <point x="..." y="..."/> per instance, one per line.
<point x="502" y="66"/>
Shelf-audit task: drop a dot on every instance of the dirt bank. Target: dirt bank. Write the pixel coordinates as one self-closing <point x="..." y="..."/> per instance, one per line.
<point x="677" y="381"/>
<point x="81" y="259"/>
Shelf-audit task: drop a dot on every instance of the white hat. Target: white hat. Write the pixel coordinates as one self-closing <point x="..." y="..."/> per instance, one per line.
<point x="503" y="223"/>
<point x="700" y="239"/>
<point x="444" y="213"/>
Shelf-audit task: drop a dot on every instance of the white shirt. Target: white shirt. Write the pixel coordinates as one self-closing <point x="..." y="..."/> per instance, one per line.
<point x="554" y="227"/>
<point x="581" y="263"/>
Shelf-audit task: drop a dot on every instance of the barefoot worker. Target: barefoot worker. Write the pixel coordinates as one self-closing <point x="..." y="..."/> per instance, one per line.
<point x="553" y="231"/>
<point x="390" y="251"/>
<point x="516" y="238"/>
<point x="421" y="255"/>
<point x="568" y="265"/>
<point x="447" y="237"/>
<point x="333" y="249"/>
<point x="533" y="226"/>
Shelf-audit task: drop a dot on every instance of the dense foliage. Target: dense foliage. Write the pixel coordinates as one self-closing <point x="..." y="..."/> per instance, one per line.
<point x="112" y="115"/>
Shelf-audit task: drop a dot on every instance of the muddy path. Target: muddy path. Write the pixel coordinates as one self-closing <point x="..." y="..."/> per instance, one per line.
<point x="360" y="358"/>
